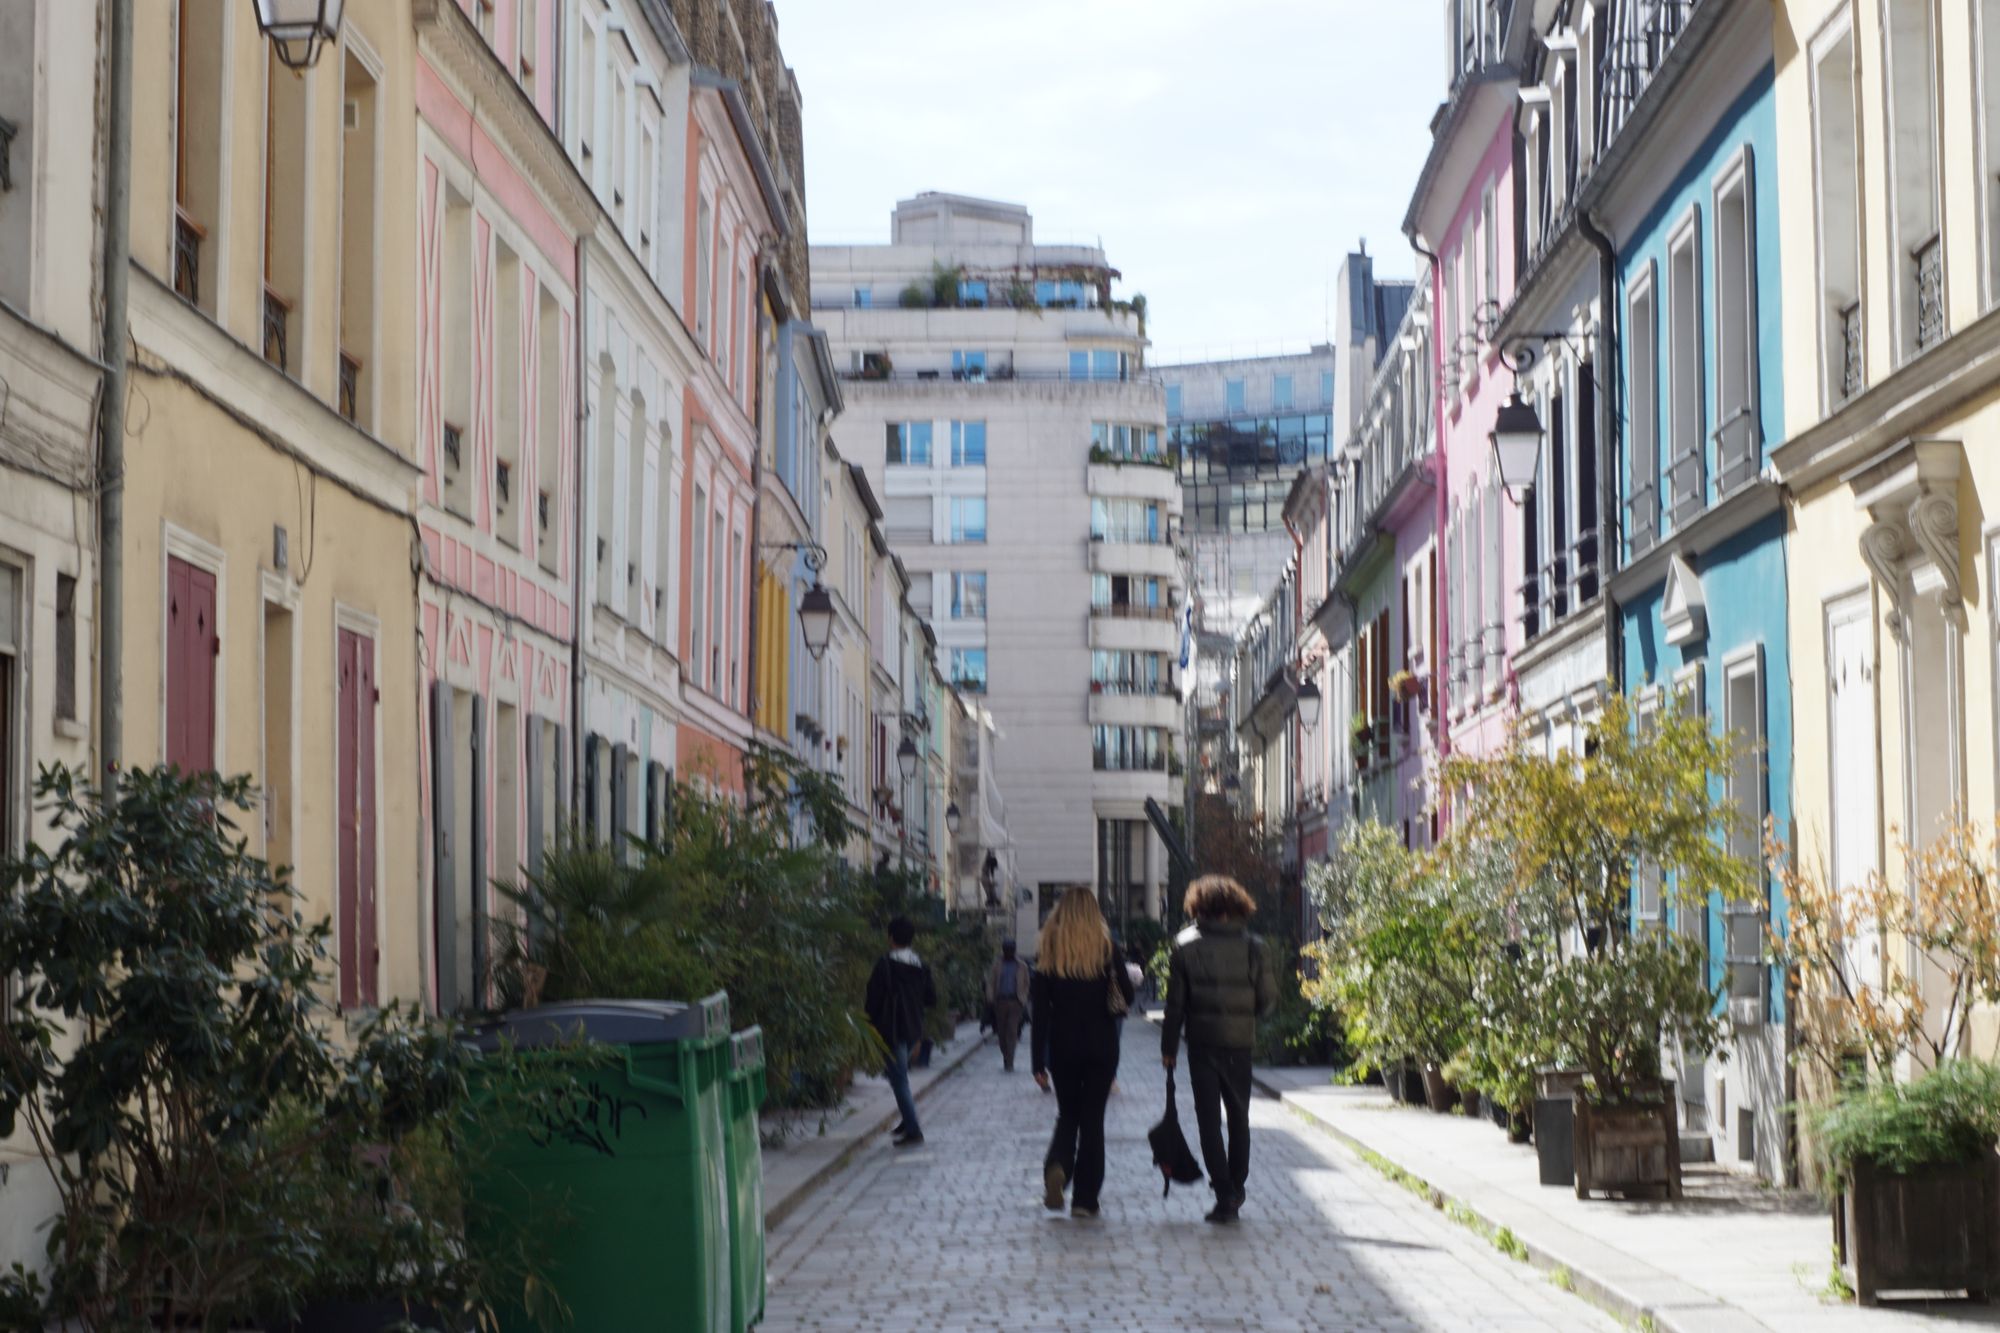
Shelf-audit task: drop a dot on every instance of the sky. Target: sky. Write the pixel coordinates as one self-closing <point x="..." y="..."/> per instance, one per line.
<point x="1226" y="155"/>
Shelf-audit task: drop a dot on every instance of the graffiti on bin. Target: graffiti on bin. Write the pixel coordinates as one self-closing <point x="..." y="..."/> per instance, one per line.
<point x="595" y="1118"/>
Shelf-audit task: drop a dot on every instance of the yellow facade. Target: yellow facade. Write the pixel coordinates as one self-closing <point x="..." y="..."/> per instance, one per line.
<point x="1892" y="466"/>
<point x="252" y="473"/>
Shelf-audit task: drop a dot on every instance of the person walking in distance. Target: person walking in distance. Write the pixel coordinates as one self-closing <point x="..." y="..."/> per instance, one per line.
<point x="1007" y="997"/>
<point x="900" y="989"/>
<point x="1079" y="992"/>
<point x="1218" y="985"/>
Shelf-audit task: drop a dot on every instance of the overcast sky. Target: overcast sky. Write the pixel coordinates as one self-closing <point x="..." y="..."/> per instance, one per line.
<point x="1226" y="154"/>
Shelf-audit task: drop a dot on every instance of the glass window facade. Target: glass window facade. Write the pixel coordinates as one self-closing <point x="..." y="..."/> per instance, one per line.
<point x="968" y="444"/>
<point x="864" y="297"/>
<point x="1119" y="439"/>
<point x="1232" y="393"/>
<point x="968" y="365"/>
<point x="968" y="669"/>
<point x="1122" y="671"/>
<point x="1281" y="393"/>
<point x="910" y="443"/>
<point x="968" y="519"/>
<point x="972" y="291"/>
<point x="1129" y="749"/>
<point x="1126" y="521"/>
<point x="968" y="595"/>
<point x="1236" y="473"/>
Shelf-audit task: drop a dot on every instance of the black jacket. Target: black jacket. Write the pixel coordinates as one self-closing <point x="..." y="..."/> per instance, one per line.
<point x="1218" y="987"/>
<point x="1073" y="1023"/>
<point x="899" y="990"/>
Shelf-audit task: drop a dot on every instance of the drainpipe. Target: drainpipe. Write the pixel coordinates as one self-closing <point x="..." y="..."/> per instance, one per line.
<point x="1439" y="703"/>
<point x="111" y="407"/>
<point x="751" y="618"/>
<point x="580" y="611"/>
<point x="1609" y="542"/>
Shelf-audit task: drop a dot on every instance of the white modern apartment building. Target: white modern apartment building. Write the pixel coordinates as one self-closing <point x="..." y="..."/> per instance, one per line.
<point x="997" y="401"/>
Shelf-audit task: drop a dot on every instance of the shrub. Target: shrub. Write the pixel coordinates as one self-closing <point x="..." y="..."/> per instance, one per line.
<point x="218" y="1156"/>
<point x="1946" y="1116"/>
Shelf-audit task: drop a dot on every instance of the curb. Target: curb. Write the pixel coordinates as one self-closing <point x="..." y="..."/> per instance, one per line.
<point x="1702" y="1314"/>
<point x="776" y="1211"/>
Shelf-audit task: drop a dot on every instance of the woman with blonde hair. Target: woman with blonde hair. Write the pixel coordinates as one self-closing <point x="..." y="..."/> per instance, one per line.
<point x="1078" y="993"/>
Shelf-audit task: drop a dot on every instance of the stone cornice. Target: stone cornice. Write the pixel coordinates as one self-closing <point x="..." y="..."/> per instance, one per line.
<point x="455" y="50"/>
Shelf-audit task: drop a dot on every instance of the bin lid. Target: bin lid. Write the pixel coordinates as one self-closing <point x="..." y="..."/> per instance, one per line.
<point x="746" y="1051"/>
<point x="613" y="1022"/>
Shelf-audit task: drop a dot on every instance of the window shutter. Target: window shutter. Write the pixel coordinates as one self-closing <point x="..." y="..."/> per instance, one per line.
<point x="444" y="855"/>
<point x="476" y="854"/>
<point x="537" y="796"/>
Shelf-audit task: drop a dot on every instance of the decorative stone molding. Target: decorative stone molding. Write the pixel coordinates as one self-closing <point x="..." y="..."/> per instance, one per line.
<point x="1911" y="545"/>
<point x="1683" y="606"/>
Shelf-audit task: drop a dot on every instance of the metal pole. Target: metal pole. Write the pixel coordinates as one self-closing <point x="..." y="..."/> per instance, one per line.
<point x="111" y="407"/>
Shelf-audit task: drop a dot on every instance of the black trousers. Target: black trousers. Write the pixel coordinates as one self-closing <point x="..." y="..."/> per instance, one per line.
<point x="1078" y="1145"/>
<point x="1220" y="1079"/>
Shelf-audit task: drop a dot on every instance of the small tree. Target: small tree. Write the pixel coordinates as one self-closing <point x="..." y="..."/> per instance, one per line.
<point x="1571" y="832"/>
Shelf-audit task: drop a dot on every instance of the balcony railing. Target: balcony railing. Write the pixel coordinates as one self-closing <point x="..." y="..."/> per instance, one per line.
<point x="1642" y="518"/>
<point x="1853" y="371"/>
<point x="1131" y="611"/>
<point x="1148" y="689"/>
<point x="1736" y="460"/>
<point x="1129" y="534"/>
<point x="188" y="236"/>
<point x="997" y="374"/>
<point x="1640" y="39"/>
<point x="1928" y="261"/>
<point x="277" y="330"/>
<point x="1566" y="582"/>
<point x="1687" y="487"/>
<point x="454" y="448"/>
<point x="350" y="384"/>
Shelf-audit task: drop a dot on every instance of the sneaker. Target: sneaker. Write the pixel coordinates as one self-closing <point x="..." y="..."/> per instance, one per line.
<point x="1223" y="1214"/>
<point x="1053" y="1184"/>
<point x="908" y="1140"/>
<point x="1081" y="1213"/>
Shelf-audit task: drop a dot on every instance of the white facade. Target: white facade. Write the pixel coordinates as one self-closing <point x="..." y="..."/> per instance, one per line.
<point x="985" y="374"/>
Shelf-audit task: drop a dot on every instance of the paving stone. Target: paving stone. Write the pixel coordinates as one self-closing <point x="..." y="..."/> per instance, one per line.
<point x="952" y="1235"/>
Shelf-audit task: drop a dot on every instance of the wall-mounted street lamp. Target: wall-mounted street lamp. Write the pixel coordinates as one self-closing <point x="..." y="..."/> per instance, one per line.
<point x="1517" y="446"/>
<point x="297" y="29"/>
<point x="816" y="606"/>
<point x="952" y="818"/>
<point x="906" y="758"/>
<point x="1309" y="703"/>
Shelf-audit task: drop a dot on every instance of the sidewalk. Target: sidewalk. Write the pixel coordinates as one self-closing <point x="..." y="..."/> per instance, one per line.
<point x="817" y="1151"/>
<point x="1732" y="1255"/>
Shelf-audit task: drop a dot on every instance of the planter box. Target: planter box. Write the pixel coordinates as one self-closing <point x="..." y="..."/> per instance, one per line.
<point x="1628" y="1150"/>
<point x="1439" y="1094"/>
<point x="1933" y="1229"/>
<point x="1555" y="1140"/>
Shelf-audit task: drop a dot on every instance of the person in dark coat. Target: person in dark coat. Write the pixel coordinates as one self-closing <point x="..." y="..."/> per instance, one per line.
<point x="1007" y="999"/>
<point x="1218" y="986"/>
<point x="900" y="989"/>
<point x="1075" y="1044"/>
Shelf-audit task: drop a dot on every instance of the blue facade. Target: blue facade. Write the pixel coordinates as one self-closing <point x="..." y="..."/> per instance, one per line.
<point x="1737" y="555"/>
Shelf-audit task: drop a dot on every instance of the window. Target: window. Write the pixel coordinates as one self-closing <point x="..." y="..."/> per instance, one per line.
<point x="968" y="669"/>
<point x="666" y="532"/>
<point x="1281" y="393"/>
<point x="968" y="595"/>
<point x="697" y="588"/>
<point x="968" y="519"/>
<point x="10" y="722"/>
<point x="548" y="432"/>
<point x="704" y="272"/>
<point x="286" y="168"/>
<point x="972" y="292"/>
<point x="968" y="365"/>
<point x="1736" y="434"/>
<point x="357" y="245"/>
<point x="909" y="442"/>
<point x="968" y="444"/>
<point x="198" y="164"/>
<point x="1106" y="364"/>
<point x="356" y="851"/>
<point x="1173" y="400"/>
<point x="907" y="519"/>
<point x="734" y="592"/>
<point x="455" y="336"/>
<point x="1448" y="331"/>
<point x="1647" y="908"/>
<point x="1489" y="240"/>
<point x="1125" y="521"/>
<point x="1232" y="395"/>
<point x="1836" y="136"/>
<point x="1326" y="387"/>
<point x="65" y="649"/>
<point x="1743" y="719"/>
<point x="506" y="393"/>
<point x="193" y="644"/>
<point x="864" y="298"/>
<point x="1684" y="390"/>
<point x="1987" y="39"/>
<point x="1918" y="246"/>
<point x="527" y="32"/>
<point x="1643" y="361"/>
<point x="1130" y="749"/>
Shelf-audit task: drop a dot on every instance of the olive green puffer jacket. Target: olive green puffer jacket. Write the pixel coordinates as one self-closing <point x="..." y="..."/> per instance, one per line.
<point x="1218" y="986"/>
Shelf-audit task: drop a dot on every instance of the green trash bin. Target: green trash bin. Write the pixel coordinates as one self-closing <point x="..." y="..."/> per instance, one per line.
<point x="627" y="1198"/>
<point x="746" y="1178"/>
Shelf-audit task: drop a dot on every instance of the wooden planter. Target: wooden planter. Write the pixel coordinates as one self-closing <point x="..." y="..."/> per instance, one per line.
<point x="1628" y="1150"/>
<point x="1933" y="1229"/>
<point x="1439" y="1094"/>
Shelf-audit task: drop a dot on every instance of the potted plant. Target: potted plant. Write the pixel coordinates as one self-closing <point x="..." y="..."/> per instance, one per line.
<point x="1593" y="992"/>
<point x="1917" y="1181"/>
<point x="1404" y="685"/>
<point x="1361" y="740"/>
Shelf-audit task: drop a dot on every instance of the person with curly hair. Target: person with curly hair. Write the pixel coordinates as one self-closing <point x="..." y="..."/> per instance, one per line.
<point x="1218" y="985"/>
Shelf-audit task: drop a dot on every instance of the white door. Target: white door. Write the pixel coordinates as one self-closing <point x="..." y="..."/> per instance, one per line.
<point x="1853" y="764"/>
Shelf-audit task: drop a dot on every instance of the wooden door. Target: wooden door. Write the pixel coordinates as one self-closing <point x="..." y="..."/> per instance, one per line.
<point x="356" y="853"/>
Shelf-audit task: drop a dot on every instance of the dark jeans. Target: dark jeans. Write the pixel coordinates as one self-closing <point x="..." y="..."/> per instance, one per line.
<point x="897" y="1071"/>
<point x="1007" y="1014"/>
<point x="1078" y="1145"/>
<point x="1220" y="1079"/>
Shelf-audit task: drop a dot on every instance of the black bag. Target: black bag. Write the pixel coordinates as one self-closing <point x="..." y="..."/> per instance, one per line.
<point x="1170" y="1147"/>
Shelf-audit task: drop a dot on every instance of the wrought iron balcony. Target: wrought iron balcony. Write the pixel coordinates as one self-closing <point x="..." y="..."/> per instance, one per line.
<point x="1131" y="611"/>
<point x="1687" y="487"/>
<point x="454" y="445"/>
<point x="1566" y="582"/>
<point x="277" y="330"/>
<point x="503" y="480"/>
<point x="350" y="384"/>
<point x="188" y="236"/>
<point x="1736" y="460"/>
<point x="1642" y="518"/>
<point x="8" y="129"/>
<point x="1853" y="370"/>
<point x="1928" y="261"/>
<point x="1642" y="33"/>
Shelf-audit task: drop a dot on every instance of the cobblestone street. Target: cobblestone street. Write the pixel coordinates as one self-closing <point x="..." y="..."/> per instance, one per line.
<point x="952" y="1235"/>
